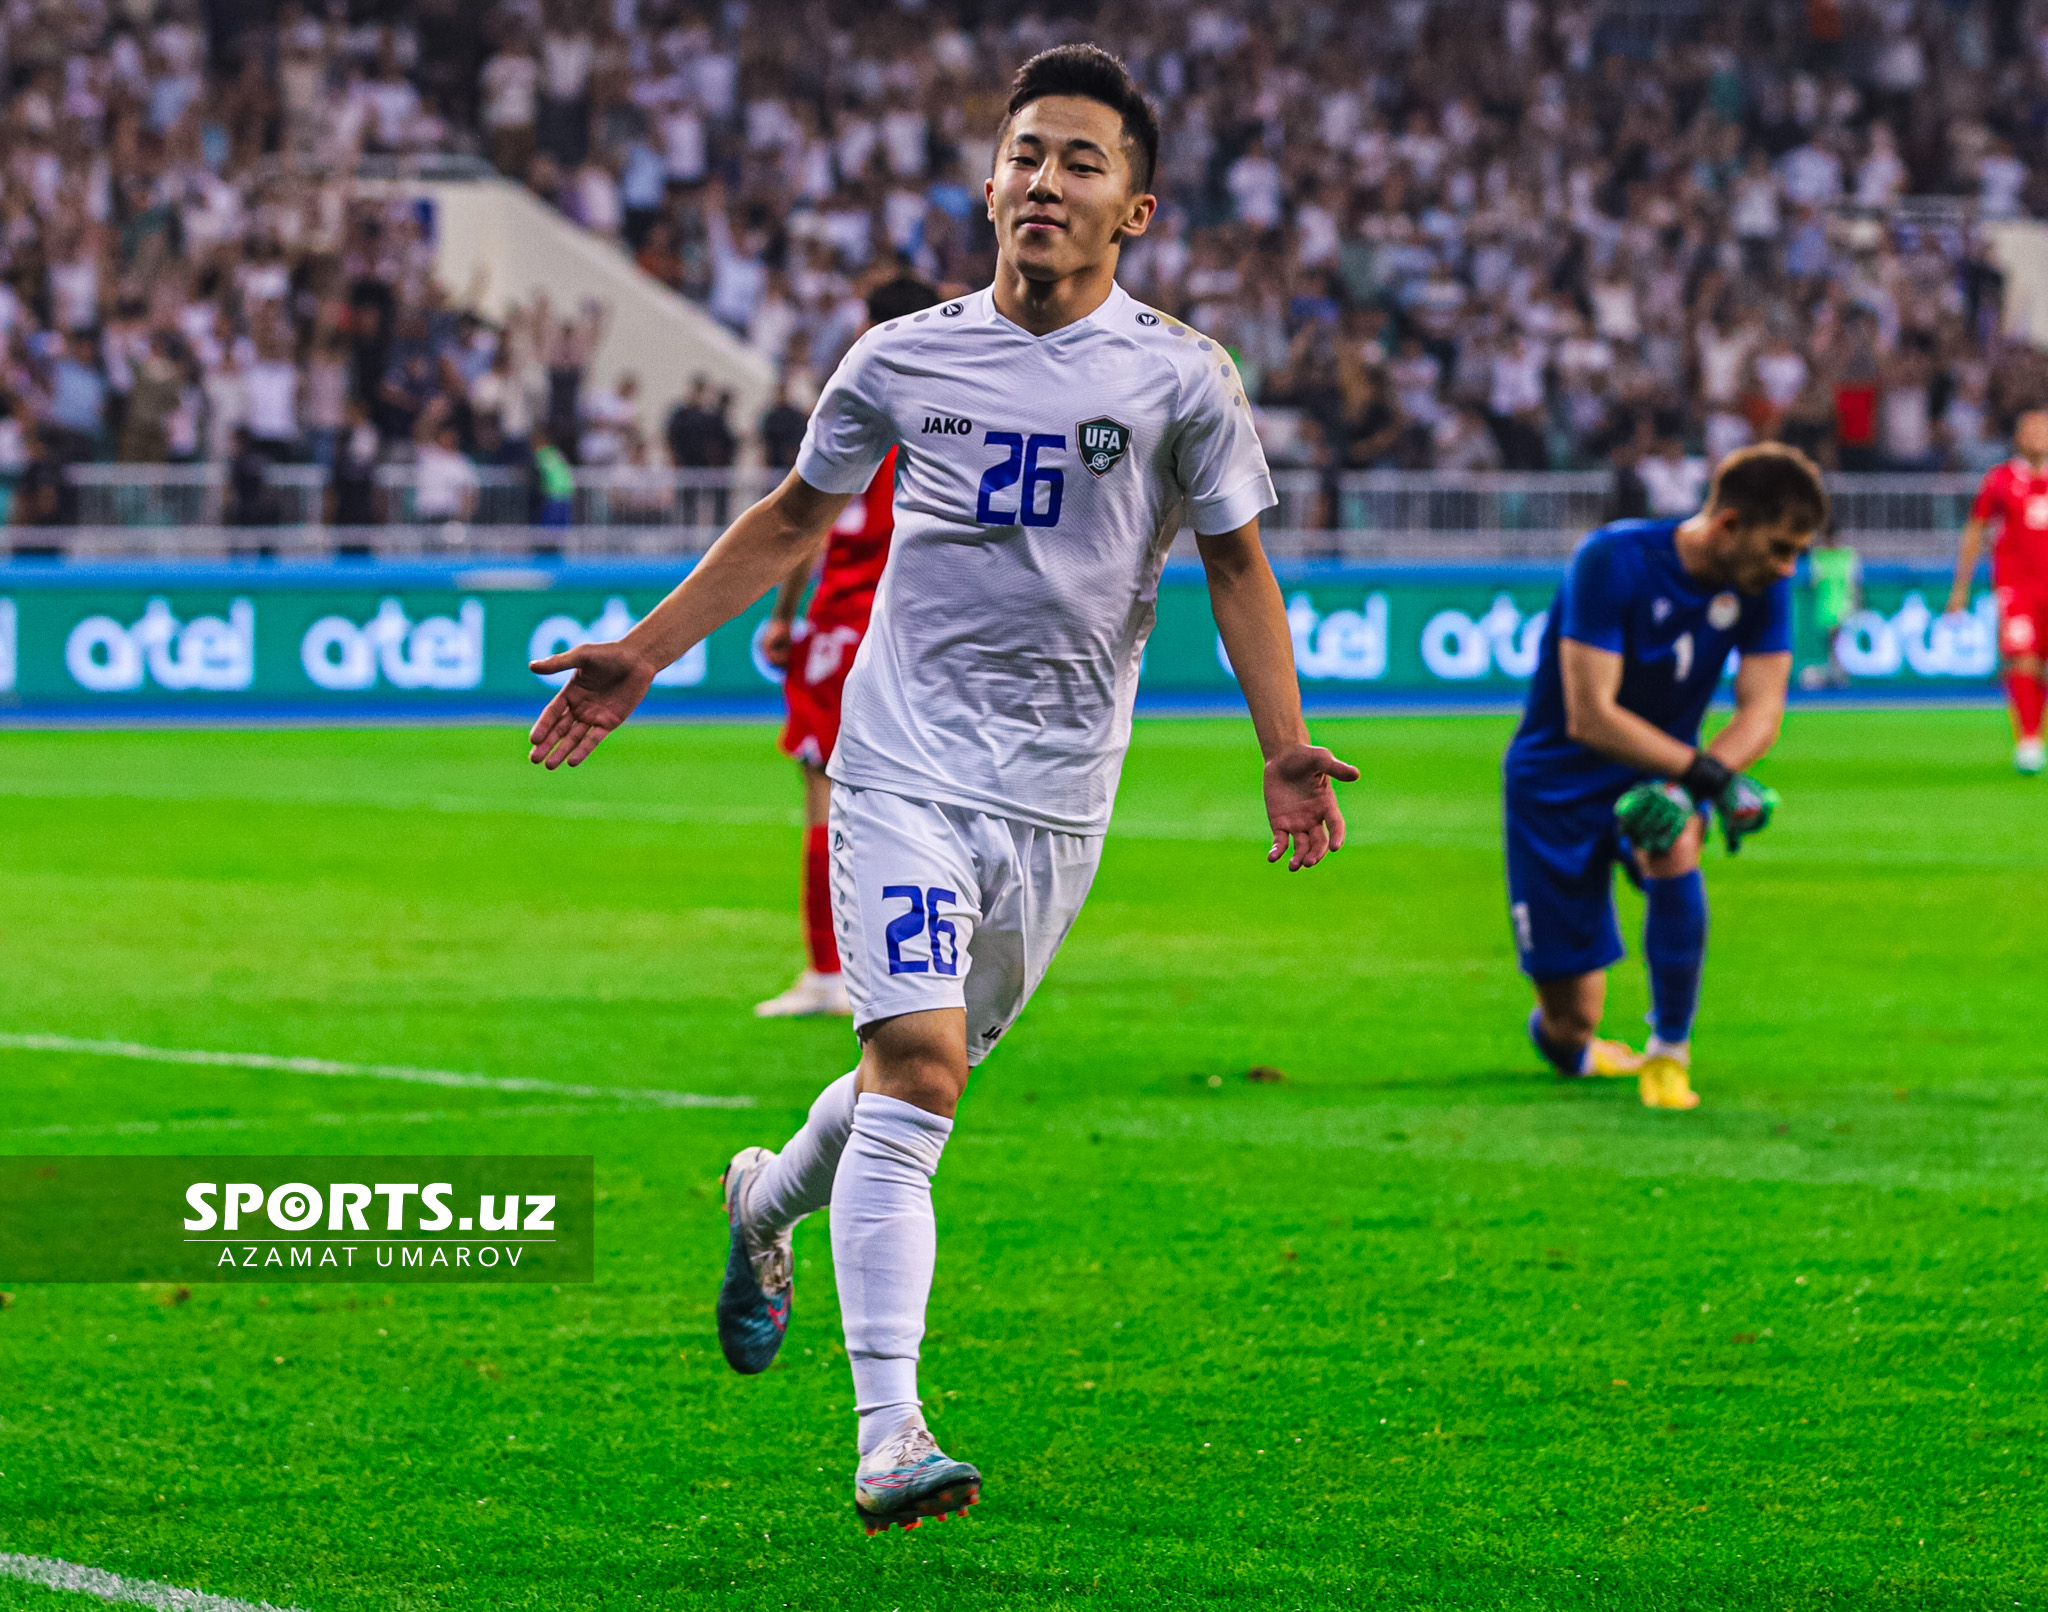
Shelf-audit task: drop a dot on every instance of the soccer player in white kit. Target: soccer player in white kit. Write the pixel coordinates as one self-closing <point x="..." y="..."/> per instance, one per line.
<point x="1055" y="434"/>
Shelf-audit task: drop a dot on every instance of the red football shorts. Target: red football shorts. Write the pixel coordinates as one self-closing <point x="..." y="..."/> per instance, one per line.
<point x="2023" y="617"/>
<point x="819" y="658"/>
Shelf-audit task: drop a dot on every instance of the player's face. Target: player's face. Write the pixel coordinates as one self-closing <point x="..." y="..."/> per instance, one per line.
<point x="2030" y="436"/>
<point x="1060" y="197"/>
<point x="1759" y="556"/>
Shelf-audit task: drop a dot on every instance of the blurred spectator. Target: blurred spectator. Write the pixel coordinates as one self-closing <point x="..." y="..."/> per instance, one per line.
<point x="153" y="398"/>
<point x="609" y="414"/>
<point x="326" y="398"/>
<point x="1463" y="440"/>
<point x="355" y="467"/>
<point x="782" y="429"/>
<point x="252" y="501"/>
<point x="697" y="437"/>
<point x="511" y="106"/>
<point x="445" y="483"/>
<point x="39" y="490"/>
<point x="658" y="256"/>
<point x="78" y="400"/>
<point x="570" y="345"/>
<point x="554" y="481"/>
<point x="1674" y="481"/>
<point x="270" y="401"/>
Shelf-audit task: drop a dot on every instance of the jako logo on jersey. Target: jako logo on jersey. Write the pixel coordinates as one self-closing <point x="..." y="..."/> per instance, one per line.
<point x="947" y="426"/>
<point x="952" y="310"/>
<point x="1148" y="318"/>
<point x="1103" y="442"/>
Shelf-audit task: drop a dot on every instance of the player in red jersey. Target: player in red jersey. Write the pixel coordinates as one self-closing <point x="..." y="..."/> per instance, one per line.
<point x="2014" y="497"/>
<point x="815" y="654"/>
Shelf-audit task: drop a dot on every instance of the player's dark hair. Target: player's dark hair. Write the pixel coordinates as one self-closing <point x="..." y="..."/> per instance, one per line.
<point x="900" y="297"/>
<point x="1771" y="484"/>
<point x="1092" y="73"/>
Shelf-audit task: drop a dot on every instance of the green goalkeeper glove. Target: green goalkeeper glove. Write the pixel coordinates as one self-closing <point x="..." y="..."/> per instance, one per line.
<point x="1653" y="815"/>
<point x="1745" y="808"/>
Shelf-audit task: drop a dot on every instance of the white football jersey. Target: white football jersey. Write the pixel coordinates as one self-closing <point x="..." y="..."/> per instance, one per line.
<point x="1041" y="482"/>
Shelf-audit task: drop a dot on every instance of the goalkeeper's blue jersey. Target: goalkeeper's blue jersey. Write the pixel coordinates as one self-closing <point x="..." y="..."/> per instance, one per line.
<point x="1626" y="592"/>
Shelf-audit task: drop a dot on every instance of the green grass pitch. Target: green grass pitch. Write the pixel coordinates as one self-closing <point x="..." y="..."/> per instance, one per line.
<point x="1417" y="1328"/>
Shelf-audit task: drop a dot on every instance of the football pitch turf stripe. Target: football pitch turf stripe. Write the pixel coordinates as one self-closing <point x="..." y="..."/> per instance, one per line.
<point x="653" y="1095"/>
<point x="52" y="1574"/>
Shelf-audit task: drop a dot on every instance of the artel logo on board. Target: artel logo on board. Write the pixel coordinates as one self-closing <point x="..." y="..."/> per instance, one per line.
<point x="213" y="653"/>
<point x="439" y="652"/>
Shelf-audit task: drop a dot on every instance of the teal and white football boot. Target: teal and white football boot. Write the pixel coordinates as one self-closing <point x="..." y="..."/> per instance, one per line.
<point x="753" y="1300"/>
<point x="909" y="1479"/>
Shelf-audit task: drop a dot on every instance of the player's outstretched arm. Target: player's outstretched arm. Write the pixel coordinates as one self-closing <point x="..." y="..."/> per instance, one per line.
<point x="1300" y="804"/>
<point x="755" y="553"/>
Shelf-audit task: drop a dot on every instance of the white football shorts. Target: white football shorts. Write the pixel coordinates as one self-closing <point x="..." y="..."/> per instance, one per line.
<point x="940" y="906"/>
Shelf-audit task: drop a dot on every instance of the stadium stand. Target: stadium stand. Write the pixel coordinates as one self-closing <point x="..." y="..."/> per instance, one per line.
<point x="1446" y="239"/>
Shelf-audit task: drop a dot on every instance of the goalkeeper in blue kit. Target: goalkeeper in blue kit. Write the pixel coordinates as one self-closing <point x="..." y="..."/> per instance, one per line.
<point x="1607" y="768"/>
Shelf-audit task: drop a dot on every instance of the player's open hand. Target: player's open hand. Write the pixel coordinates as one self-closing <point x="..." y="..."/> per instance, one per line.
<point x="608" y="681"/>
<point x="1301" y="805"/>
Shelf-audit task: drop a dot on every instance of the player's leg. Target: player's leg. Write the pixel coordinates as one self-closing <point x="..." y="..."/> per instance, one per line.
<point x="1029" y="886"/>
<point x="906" y="890"/>
<point x="884" y="1250"/>
<point x="766" y="1194"/>
<point x="2020" y="626"/>
<point x="1560" y="866"/>
<point x="1565" y="1028"/>
<point x="1675" y="949"/>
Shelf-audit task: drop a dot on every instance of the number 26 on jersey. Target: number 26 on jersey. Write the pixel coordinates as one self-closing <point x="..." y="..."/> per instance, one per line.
<point x="1039" y="486"/>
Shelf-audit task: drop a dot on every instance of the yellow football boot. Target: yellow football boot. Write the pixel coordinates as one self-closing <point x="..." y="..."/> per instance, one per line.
<point x="1613" y="1058"/>
<point x="1666" y="1083"/>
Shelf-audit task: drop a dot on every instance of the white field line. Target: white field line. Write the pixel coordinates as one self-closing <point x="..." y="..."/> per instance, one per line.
<point x="654" y="1095"/>
<point x="53" y="1574"/>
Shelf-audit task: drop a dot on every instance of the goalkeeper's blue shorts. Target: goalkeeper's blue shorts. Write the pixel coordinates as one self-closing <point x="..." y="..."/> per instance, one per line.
<point x="1561" y="857"/>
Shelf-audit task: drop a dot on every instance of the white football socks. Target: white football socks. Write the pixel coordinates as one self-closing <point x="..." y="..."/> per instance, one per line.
<point x="884" y="1248"/>
<point x="1679" y="1052"/>
<point x="799" y="1178"/>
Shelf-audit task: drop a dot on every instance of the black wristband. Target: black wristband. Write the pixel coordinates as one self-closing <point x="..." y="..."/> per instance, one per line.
<point x="1706" y="778"/>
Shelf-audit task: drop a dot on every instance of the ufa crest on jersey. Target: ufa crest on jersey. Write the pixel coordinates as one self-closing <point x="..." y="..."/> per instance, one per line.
<point x="1103" y="442"/>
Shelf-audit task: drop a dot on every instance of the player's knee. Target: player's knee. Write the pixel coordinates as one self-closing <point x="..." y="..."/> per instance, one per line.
<point x="1682" y="858"/>
<point x="918" y="1058"/>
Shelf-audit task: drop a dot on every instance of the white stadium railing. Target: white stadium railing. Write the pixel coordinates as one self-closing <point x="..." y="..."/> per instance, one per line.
<point x="164" y="511"/>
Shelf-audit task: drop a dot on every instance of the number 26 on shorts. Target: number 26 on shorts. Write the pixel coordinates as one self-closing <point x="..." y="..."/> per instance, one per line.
<point x="922" y="918"/>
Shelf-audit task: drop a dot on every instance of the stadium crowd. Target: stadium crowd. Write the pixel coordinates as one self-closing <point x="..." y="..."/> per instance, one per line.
<point x="1530" y="235"/>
